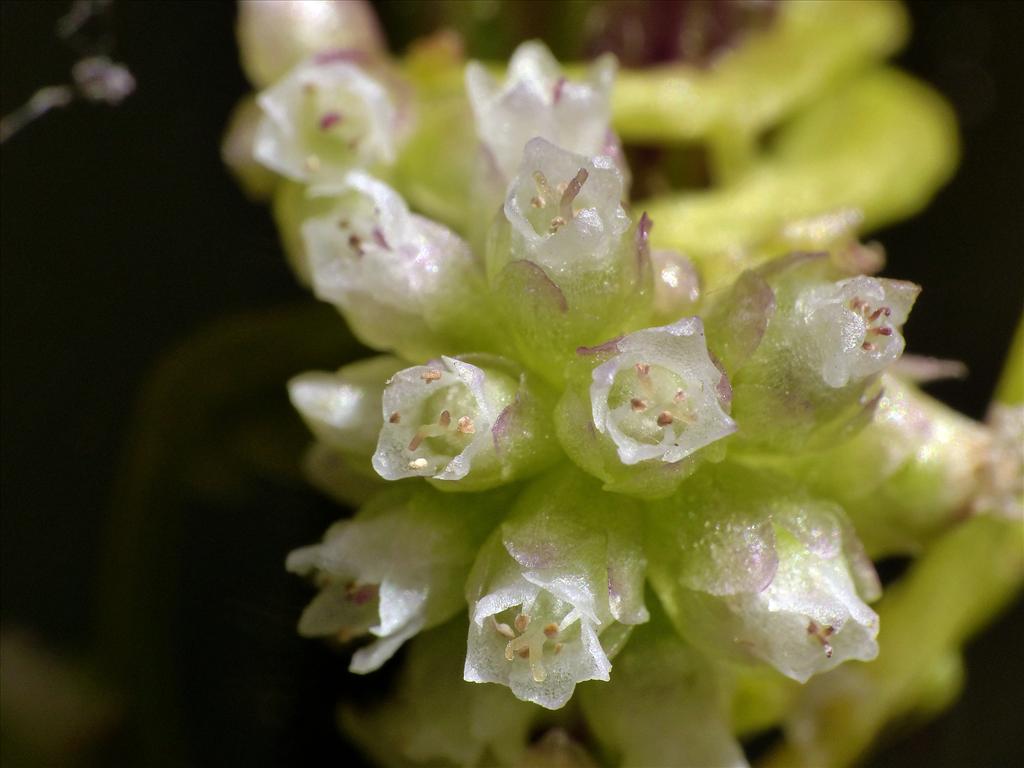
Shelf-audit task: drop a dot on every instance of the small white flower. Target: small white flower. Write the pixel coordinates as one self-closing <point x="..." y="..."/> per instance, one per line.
<point x="852" y="328"/>
<point x="401" y="280"/>
<point x="660" y="396"/>
<point x="537" y="100"/>
<point x="565" y="210"/>
<point x="437" y="418"/>
<point x="394" y="569"/>
<point x="325" y="118"/>
<point x="748" y="572"/>
<point x="554" y="591"/>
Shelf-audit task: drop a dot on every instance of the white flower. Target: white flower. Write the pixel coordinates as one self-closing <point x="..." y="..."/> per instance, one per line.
<point x="553" y="591"/>
<point x="748" y="571"/>
<point x="565" y="210"/>
<point x="325" y="118"/>
<point x="660" y="396"/>
<point x="537" y="100"/>
<point x="852" y="328"/>
<point x="394" y="569"/>
<point x="478" y="420"/>
<point x="437" y="418"/>
<point x="402" y="281"/>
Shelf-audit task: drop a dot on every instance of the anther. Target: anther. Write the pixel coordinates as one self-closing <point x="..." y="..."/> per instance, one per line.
<point x="638" y="405"/>
<point x="445" y="419"/>
<point x="679" y="396"/>
<point x="551" y="630"/>
<point x="394" y="418"/>
<point x="537" y="202"/>
<point x="642" y="369"/>
<point x="523" y="653"/>
<point x="883" y="331"/>
<point x="420" y="463"/>
<point x="503" y="629"/>
<point x="430" y="375"/>
<point x="465" y="426"/>
<point x="571" y="190"/>
<point x="665" y="418"/>
<point x="329" y="120"/>
<point x="522" y="621"/>
<point x="867" y="346"/>
<point x="556" y="223"/>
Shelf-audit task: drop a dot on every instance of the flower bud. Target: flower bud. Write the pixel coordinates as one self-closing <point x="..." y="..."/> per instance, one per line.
<point x="655" y="400"/>
<point x="275" y="35"/>
<point x="555" y="590"/>
<point x="536" y="99"/>
<point x="327" y="117"/>
<point x="676" y="286"/>
<point x="464" y="426"/>
<point x="402" y="281"/>
<point x="394" y="569"/>
<point x="343" y="409"/>
<point x="751" y="571"/>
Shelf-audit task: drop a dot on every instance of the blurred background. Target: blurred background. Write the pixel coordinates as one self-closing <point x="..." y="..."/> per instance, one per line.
<point x="149" y="321"/>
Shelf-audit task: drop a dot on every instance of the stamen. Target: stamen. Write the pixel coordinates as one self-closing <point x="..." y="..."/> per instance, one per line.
<point x="329" y="120"/>
<point x="665" y="418"/>
<point x="430" y="375"/>
<point x="556" y="93"/>
<point x="465" y="426"/>
<point x="571" y="190"/>
<point x="679" y="396"/>
<point x="420" y="463"/>
<point x="885" y="330"/>
<point x="355" y="244"/>
<point x="867" y="346"/>
<point x="445" y="419"/>
<point x="642" y="369"/>
<point x="551" y="630"/>
<point x="378" y="238"/>
<point x="538" y="202"/>
<point x="523" y="653"/>
<point x="558" y="648"/>
<point x="556" y="223"/>
<point x="503" y="629"/>
<point x="638" y="405"/>
<point x="417" y="439"/>
<point x="312" y="163"/>
<point x="394" y="418"/>
<point x="522" y="621"/>
<point x="544" y="192"/>
<point x="822" y="634"/>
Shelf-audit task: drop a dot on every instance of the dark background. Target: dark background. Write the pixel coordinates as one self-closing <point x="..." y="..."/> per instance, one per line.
<point x="123" y="237"/>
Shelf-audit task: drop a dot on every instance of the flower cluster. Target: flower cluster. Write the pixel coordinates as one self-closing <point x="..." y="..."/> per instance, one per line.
<point x="568" y="440"/>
